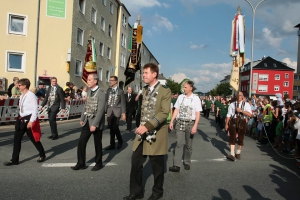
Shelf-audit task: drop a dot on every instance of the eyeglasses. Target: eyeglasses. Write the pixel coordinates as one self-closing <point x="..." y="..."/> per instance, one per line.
<point x="112" y="80"/>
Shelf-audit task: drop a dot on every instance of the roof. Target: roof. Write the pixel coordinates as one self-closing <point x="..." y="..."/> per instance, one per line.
<point x="297" y="26"/>
<point x="161" y="77"/>
<point x="272" y="64"/>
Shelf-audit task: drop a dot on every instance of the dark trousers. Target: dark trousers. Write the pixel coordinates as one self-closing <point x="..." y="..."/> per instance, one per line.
<point x="137" y="161"/>
<point x="217" y="120"/>
<point x="222" y="122"/>
<point x="138" y="119"/>
<point x="83" y="139"/>
<point x="207" y="111"/>
<point x="52" y="121"/>
<point x="17" y="144"/>
<point x="129" y="116"/>
<point x="114" y="130"/>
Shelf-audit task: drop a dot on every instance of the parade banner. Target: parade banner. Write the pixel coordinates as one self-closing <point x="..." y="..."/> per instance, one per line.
<point x="90" y="60"/>
<point x="133" y="64"/>
<point x="234" y="79"/>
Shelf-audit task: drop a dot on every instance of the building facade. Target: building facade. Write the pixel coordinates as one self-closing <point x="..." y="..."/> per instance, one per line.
<point x="49" y="38"/>
<point x="269" y="77"/>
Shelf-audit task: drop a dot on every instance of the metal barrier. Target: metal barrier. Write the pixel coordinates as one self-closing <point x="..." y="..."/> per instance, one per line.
<point x="9" y="110"/>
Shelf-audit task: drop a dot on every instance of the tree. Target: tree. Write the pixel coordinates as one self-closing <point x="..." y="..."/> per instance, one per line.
<point x="174" y="86"/>
<point x="221" y="89"/>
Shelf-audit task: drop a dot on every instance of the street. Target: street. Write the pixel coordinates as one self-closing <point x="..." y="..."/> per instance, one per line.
<point x="260" y="174"/>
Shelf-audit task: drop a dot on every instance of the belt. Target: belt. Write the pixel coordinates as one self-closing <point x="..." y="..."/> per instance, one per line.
<point x="186" y="120"/>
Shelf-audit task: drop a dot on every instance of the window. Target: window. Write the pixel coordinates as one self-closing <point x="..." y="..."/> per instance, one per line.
<point x="15" y="61"/>
<point x="93" y="15"/>
<point x="122" y="60"/>
<point x="102" y="24"/>
<point x="285" y="93"/>
<point x="263" y="88"/>
<point x="286" y="84"/>
<point x="274" y="65"/>
<point x="107" y="76"/>
<point x="286" y="75"/>
<point x="265" y="64"/>
<point x="80" y="36"/>
<point x="295" y="88"/>
<point x="82" y="6"/>
<point x="109" y="30"/>
<point x="123" y="40"/>
<point x="78" y="68"/>
<point x="111" y="8"/>
<point x="100" y="70"/>
<point x="277" y="77"/>
<point x="17" y="24"/>
<point x="296" y="77"/>
<point x="276" y="88"/>
<point x="104" y="2"/>
<point x="101" y="49"/>
<point x="263" y="77"/>
<point x="108" y="53"/>
<point x="123" y="20"/>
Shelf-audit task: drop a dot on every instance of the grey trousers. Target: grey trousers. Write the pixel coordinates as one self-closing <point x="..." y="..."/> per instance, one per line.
<point x="184" y="137"/>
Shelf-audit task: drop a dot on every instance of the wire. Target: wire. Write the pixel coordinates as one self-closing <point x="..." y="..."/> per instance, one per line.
<point x="276" y="150"/>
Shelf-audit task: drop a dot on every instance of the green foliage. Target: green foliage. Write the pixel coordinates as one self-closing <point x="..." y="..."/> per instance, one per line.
<point x="221" y="89"/>
<point x="174" y="86"/>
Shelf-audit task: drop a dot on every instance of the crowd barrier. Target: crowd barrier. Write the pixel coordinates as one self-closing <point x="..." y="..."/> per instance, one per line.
<point x="9" y="109"/>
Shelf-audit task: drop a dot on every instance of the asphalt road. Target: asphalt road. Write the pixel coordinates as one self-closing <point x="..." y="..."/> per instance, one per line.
<point x="260" y="174"/>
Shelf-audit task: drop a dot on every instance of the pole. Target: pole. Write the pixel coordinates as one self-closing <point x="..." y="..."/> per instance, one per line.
<point x="252" y="43"/>
<point x="37" y="42"/>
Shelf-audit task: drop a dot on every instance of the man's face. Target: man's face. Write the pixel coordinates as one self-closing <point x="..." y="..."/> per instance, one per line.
<point x="41" y="86"/>
<point x="112" y="82"/>
<point x="71" y="86"/>
<point x="176" y="95"/>
<point x="241" y="96"/>
<point x="148" y="76"/>
<point x="53" y="82"/>
<point x="91" y="82"/>
<point x="129" y="90"/>
<point x="187" y="88"/>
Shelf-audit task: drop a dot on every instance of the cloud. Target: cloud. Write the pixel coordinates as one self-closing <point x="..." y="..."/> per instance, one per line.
<point x="206" y="76"/>
<point x="271" y="39"/>
<point x="161" y="22"/>
<point x="178" y="77"/>
<point x="292" y="64"/>
<point x="201" y="46"/>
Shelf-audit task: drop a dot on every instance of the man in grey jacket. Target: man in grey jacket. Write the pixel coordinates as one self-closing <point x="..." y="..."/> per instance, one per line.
<point x="92" y="122"/>
<point x="115" y="109"/>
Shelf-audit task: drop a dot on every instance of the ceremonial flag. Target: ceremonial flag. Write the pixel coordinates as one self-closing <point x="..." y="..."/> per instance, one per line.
<point x="90" y="61"/>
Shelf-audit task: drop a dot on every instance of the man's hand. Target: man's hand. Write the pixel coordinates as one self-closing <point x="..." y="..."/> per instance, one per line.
<point x="239" y="110"/>
<point x="226" y="127"/>
<point x="40" y="108"/>
<point x="81" y="123"/>
<point x="171" y="125"/>
<point x="194" y="130"/>
<point x="141" y="130"/>
<point x="29" y="125"/>
<point x="92" y="128"/>
<point x="123" y="117"/>
<point x="63" y="110"/>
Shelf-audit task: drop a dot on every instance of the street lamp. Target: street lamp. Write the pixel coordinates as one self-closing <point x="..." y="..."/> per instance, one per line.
<point x="252" y="44"/>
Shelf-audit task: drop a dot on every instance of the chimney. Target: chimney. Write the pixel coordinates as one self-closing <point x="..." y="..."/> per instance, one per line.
<point x="298" y="59"/>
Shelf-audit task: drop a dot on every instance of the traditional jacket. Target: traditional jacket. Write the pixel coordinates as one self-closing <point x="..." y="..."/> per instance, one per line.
<point x="158" y="123"/>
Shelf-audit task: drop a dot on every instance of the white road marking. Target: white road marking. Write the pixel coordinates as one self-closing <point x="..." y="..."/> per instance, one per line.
<point x="218" y="159"/>
<point x="73" y="164"/>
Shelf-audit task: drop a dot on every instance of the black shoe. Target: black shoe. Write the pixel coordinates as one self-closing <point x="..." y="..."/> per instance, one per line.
<point x="187" y="167"/>
<point x="55" y="137"/>
<point x="110" y="147"/>
<point x="9" y="163"/>
<point x="97" y="167"/>
<point x="120" y="145"/>
<point x="174" y="169"/>
<point x="78" y="167"/>
<point x="133" y="197"/>
<point x="50" y="137"/>
<point x="155" y="197"/>
<point x="41" y="159"/>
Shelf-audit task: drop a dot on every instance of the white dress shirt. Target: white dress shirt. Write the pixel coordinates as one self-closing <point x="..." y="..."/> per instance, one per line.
<point x="192" y="101"/>
<point x="28" y="105"/>
<point x="231" y="108"/>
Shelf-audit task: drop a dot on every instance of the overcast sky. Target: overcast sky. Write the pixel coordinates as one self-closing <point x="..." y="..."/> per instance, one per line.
<point x="191" y="38"/>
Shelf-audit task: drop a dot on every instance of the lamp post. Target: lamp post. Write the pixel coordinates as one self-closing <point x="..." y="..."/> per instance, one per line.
<point x="252" y="44"/>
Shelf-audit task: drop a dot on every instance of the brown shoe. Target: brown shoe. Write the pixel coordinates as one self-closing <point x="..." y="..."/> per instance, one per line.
<point x="238" y="156"/>
<point x="230" y="157"/>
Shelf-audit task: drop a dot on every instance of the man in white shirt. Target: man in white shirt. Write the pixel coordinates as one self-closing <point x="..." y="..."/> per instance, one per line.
<point x="187" y="112"/>
<point x="26" y="122"/>
<point x="236" y="115"/>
